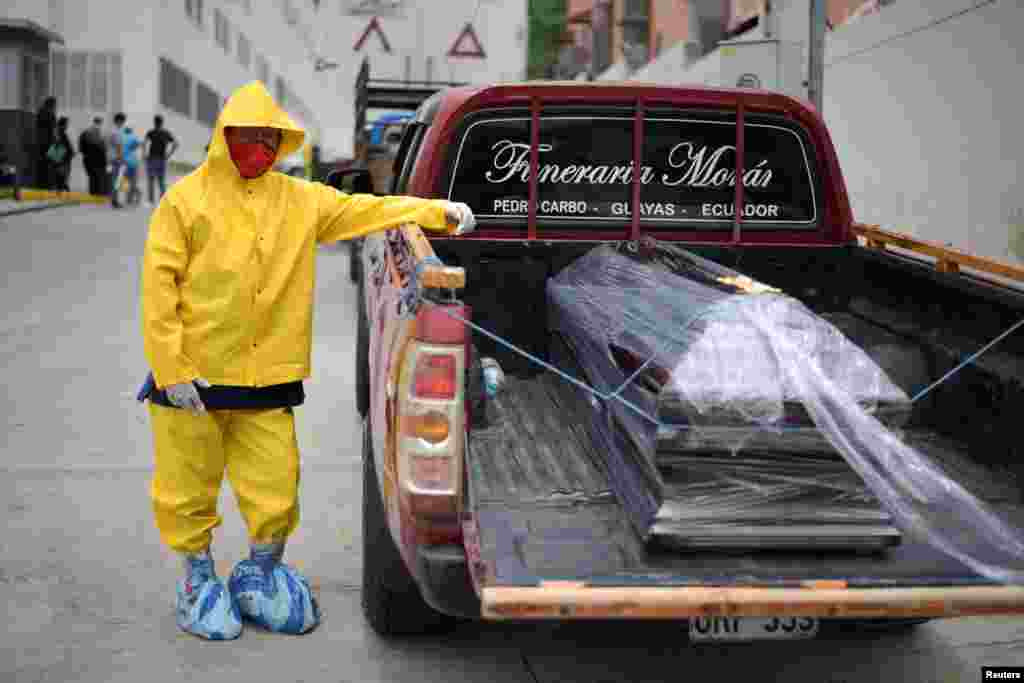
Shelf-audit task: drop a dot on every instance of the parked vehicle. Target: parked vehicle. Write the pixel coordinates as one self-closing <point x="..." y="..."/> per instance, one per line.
<point x="8" y="171"/>
<point x="504" y="510"/>
<point x="378" y="144"/>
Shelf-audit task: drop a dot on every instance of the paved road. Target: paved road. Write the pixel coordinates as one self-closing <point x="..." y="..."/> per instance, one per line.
<point x="88" y="588"/>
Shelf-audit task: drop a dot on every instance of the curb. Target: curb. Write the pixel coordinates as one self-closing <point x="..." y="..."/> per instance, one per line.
<point x="32" y="209"/>
<point x="58" y="199"/>
<point x="29" y="194"/>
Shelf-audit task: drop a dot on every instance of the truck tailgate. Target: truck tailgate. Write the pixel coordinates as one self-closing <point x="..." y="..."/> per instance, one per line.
<point x="550" y="539"/>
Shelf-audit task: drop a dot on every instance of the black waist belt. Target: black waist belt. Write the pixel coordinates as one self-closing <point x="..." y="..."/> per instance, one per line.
<point x="220" y="397"/>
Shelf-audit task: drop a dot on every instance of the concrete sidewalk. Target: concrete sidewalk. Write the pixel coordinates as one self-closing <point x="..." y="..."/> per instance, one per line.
<point x="13" y="207"/>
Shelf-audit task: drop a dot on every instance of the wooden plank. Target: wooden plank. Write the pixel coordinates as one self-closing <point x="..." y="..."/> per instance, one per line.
<point x="444" y="277"/>
<point x="563" y="584"/>
<point x="947" y="260"/>
<point x="434" y="277"/>
<point x="569" y="601"/>
<point x="824" y="583"/>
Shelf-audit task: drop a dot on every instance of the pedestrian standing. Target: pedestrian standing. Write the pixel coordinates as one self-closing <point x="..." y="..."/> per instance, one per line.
<point x="94" y="156"/>
<point x="46" y="133"/>
<point x="114" y="154"/>
<point x="230" y="258"/>
<point x="131" y="145"/>
<point x="160" y="145"/>
<point x="60" y="155"/>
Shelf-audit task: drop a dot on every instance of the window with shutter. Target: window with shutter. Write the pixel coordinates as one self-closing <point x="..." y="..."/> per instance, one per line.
<point x="244" y="51"/>
<point x="207" y="104"/>
<point x="99" y="81"/>
<point x="175" y="88"/>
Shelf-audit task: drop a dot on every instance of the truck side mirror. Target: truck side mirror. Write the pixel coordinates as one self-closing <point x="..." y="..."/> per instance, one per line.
<point x="352" y="181"/>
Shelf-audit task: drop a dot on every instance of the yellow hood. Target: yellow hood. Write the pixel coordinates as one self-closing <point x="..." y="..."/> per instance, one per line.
<point x="251" y="105"/>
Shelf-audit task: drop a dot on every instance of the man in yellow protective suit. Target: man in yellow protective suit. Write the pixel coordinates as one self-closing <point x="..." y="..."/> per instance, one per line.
<point x="227" y="311"/>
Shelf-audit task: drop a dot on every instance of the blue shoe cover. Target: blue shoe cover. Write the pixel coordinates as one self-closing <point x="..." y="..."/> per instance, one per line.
<point x="273" y="595"/>
<point x="205" y="607"/>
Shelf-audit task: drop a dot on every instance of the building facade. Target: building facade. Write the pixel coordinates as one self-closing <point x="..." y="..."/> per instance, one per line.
<point x="615" y="38"/>
<point x="604" y="32"/>
<point x="180" y="59"/>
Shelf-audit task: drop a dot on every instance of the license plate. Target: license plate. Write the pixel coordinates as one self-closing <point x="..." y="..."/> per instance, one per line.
<point x="752" y="628"/>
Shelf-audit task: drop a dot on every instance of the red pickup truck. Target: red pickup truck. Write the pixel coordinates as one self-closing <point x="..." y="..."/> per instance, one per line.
<point x="500" y="512"/>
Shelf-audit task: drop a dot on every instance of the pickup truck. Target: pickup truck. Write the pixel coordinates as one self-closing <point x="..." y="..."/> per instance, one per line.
<point x="500" y="512"/>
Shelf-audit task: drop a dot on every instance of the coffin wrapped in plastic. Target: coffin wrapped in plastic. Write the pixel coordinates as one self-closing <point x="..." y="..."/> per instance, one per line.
<point x="703" y="375"/>
<point x="680" y="336"/>
<point x="767" y="500"/>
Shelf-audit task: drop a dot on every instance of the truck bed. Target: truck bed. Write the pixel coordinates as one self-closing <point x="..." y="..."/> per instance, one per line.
<point x="540" y="496"/>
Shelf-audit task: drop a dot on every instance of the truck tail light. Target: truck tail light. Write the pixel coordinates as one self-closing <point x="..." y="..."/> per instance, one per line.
<point x="434" y="376"/>
<point x="433" y="427"/>
<point x="431" y="419"/>
<point x="431" y="473"/>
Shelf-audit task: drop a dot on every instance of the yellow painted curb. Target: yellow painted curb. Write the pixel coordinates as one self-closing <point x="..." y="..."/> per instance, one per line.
<point x="41" y="195"/>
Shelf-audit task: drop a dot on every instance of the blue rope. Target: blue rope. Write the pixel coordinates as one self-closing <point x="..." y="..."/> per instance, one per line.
<point x="614" y="395"/>
<point x="547" y="366"/>
<point x="630" y="379"/>
<point x="970" y="359"/>
<point x="582" y="385"/>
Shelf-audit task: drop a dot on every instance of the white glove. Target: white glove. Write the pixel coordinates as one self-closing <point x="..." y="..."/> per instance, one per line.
<point x="186" y="396"/>
<point x="457" y="212"/>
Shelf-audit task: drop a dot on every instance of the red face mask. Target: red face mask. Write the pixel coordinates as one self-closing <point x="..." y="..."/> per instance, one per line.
<point x="252" y="159"/>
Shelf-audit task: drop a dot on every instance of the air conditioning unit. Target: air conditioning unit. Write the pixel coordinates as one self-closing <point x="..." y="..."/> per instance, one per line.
<point x="763" y="64"/>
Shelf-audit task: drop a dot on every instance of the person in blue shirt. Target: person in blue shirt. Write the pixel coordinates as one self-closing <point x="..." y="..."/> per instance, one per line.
<point x="131" y="144"/>
<point x="115" y="157"/>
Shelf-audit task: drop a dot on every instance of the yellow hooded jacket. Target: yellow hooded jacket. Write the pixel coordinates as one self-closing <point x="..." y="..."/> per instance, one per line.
<point x="228" y="271"/>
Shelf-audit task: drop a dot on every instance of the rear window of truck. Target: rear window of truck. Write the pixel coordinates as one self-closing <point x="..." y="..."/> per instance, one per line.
<point x="585" y="171"/>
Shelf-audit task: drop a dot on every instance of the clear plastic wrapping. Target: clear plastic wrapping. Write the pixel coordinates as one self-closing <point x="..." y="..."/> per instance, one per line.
<point x="707" y="359"/>
<point x="673" y="328"/>
<point x="767" y="487"/>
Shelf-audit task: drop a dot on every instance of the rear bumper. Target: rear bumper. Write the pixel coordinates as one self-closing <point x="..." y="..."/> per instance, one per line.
<point x="445" y="582"/>
<point x="571" y="600"/>
<point x="446" y="585"/>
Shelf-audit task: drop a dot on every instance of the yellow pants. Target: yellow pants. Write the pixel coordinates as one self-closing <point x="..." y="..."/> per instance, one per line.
<point x="261" y="455"/>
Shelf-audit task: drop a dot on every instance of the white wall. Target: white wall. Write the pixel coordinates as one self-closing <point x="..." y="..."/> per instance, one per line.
<point x="927" y="125"/>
